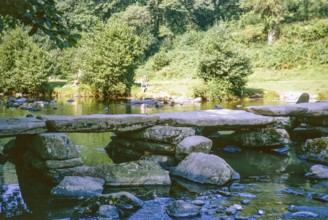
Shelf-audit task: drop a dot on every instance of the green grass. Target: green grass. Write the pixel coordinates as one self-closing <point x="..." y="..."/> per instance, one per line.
<point x="311" y="80"/>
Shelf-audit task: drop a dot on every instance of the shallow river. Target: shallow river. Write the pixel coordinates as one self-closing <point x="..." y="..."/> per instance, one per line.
<point x="271" y="183"/>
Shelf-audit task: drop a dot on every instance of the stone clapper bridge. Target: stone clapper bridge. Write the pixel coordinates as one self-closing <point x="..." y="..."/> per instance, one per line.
<point x="148" y="145"/>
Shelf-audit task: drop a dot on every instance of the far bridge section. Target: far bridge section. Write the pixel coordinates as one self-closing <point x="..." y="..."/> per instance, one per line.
<point x="217" y="119"/>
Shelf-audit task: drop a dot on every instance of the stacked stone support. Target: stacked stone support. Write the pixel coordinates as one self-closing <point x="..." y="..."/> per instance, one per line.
<point x="158" y="143"/>
<point x="53" y="155"/>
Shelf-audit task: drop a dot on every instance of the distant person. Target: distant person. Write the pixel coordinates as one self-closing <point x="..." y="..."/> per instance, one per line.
<point x="144" y="84"/>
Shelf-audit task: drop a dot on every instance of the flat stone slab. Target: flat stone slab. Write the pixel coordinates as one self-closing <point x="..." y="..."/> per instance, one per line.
<point x="99" y="122"/>
<point x="313" y="109"/>
<point x="20" y="126"/>
<point x="221" y="119"/>
<point x="165" y="134"/>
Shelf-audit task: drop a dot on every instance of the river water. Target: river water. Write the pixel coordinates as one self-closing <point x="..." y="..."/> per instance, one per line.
<point x="276" y="181"/>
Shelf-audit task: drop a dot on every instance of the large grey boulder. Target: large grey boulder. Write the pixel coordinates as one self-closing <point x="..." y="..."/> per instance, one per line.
<point x="222" y="119"/>
<point x="166" y="134"/>
<point x="316" y="150"/>
<point x="53" y="146"/>
<point x="266" y="137"/>
<point x="192" y="144"/>
<point x="78" y="187"/>
<point x="20" y="126"/>
<point x="205" y="168"/>
<point x="137" y="173"/>
<point x="37" y="163"/>
<point x="99" y="123"/>
<point x="142" y="146"/>
<point x="303" y="109"/>
<point x="318" y="172"/>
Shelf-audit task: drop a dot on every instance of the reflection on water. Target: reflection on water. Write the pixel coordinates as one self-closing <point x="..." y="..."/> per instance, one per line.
<point x="281" y="171"/>
<point x="91" y="146"/>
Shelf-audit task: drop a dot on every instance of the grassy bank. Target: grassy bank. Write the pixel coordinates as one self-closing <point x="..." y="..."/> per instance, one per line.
<point x="313" y="80"/>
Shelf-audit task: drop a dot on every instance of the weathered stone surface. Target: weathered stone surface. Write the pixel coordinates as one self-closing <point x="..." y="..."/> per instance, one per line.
<point x="318" y="172"/>
<point x="78" y="187"/>
<point x="19" y="126"/>
<point x="136" y="173"/>
<point x="125" y="202"/>
<point x="99" y="123"/>
<point x="266" y="137"/>
<point x="302" y="109"/>
<point x="157" y="148"/>
<point x="322" y="211"/>
<point x="164" y="161"/>
<point x="57" y="175"/>
<point x="222" y="118"/>
<point x="166" y="134"/>
<point x="108" y="212"/>
<point x="304" y="98"/>
<point x="180" y="209"/>
<point x="192" y="144"/>
<point x="31" y="159"/>
<point x="53" y="146"/>
<point x="316" y="150"/>
<point x="204" y="168"/>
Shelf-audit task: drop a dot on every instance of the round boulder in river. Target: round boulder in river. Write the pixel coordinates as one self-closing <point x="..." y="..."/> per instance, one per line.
<point x="205" y="168"/>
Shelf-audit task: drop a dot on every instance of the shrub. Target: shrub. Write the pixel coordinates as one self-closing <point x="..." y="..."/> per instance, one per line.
<point x="110" y="61"/>
<point x="24" y="67"/>
<point x="222" y="68"/>
<point x="160" y="60"/>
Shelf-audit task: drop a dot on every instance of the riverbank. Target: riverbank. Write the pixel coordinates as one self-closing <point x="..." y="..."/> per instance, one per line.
<point x="284" y="85"/>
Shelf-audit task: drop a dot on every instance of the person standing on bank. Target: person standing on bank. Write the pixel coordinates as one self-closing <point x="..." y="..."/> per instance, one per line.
<point x="144" y="84"/>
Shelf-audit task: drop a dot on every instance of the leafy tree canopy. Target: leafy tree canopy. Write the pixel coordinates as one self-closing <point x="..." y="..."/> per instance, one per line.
<point x="40" y="15"/>
<point x="110" y="59"/>
<point x="221" y="66"/>
<point x="24" y="67"/>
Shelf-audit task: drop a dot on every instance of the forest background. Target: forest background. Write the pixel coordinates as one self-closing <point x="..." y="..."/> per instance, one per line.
<point x="215" y="49"/>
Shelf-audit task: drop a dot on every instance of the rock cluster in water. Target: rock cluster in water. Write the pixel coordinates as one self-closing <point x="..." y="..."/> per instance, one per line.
<point x="149" y="148"/>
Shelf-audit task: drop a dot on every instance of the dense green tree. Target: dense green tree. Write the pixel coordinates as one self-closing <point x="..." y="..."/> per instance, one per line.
<point x="140" y="20"/>
<point x="110" y="60"/>
<point x="24" y="67"/>
<point x="223" y="69"/>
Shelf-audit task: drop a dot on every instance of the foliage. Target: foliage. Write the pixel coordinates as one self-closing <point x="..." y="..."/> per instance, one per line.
<point x="40" y="15"/>
<point x="24" y="67"/>
<point x="140" y="20"/>
<point x="160" y="60"/>
<point x="323" y="95"/>
<point x="222" y="68"/>
<point x="271" y="95"/>
<point x="109" y="62"/>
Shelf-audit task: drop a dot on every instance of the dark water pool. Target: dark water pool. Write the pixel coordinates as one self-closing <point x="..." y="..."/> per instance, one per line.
<point x="276" y="181"/>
